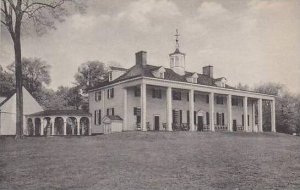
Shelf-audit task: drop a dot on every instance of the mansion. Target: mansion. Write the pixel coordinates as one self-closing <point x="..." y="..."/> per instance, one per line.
<point x="148" y="97"/>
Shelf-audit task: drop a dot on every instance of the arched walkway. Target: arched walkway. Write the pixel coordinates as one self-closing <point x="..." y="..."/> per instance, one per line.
<point x="58" y="126"/>
<point x="59" y="122"/>
<point x="30" y="127"/>
<point x="84" y="126"/>
<point x="37" y="126"/>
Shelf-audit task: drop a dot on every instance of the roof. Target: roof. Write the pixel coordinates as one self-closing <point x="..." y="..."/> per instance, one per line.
<point x="146" y="71"/>
<point x="61" y="113"/>
<point x="117" y="68"/>
<point x="177" y="52"/>
<point x="114" y="117"/>
<point x="7" y="98"/>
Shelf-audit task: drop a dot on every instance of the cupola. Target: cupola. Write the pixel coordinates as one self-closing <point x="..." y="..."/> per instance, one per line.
<point x="177" y="59"/>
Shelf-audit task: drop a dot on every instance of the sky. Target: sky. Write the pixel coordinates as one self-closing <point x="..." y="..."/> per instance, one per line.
<point x="248" y="41"/>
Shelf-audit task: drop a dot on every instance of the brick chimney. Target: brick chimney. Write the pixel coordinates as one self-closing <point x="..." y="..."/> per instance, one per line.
<point x="141" y="58"/>
<point x="208" y="71"/>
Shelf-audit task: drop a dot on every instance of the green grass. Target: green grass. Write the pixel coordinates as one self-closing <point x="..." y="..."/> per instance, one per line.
<point x="162" y="160"/>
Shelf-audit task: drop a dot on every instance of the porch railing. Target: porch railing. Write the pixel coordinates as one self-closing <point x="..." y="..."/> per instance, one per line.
<point x="180" y="126"/>
<point x="221" y="127"/>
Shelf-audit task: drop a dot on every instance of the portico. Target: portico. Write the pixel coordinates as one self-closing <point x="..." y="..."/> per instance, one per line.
<point x="250" y="106"/>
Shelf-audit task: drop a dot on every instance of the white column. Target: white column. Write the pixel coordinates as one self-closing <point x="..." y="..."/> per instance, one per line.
<point x="245" y="106"/>
<point x="42" y="126"/>
<point x="65" y="125"/>
<point x="169" y="109"/>
<point x="52" y="121"/>
<point x="125" y="109"/>
<point x="229" y="111"/>
<point x="192" y="106"/>
<point x="260" y="128"/>
<point x="253" y="116"/>
<point x="33" y="126"/>
<point x="273" y="117"/>
<point x="90" y="126"/>
<point x="78" y="125"/>
<point x="211" y="111"/>
<point x="143" y="107"/>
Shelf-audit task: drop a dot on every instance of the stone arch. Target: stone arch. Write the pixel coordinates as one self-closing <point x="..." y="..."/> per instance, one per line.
<point x="58" y="126"/>
<point x="84" y="125"/>
<point x="71" y="126"/>
<point x="47" y="127"/>
<point x="37" y="126"/>
<point x="30" y="126"/>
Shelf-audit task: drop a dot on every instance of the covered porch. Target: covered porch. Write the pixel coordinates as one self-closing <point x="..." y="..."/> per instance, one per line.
<point x="59" y="122"/>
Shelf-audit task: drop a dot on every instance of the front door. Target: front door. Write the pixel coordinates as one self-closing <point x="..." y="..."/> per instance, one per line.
<point x="234" y="125"/>
<point x="156" y="123"/>
<point x="200" y="123"/>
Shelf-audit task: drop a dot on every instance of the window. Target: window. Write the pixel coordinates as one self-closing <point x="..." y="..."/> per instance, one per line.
<point x="110" y="76"/>
<point x="176" y="95"/>
<point x="235" y="101"/>
<point x="110" y="111"/>
<point x="188" y="116"/>
<point x="110" y="93"/>
<point x="97" y="96"/>
<point x="207" y="98"/>
<point x="136" y="111"/>
<point x="207" y="118"/>
<point x="161" y="75"/>
<point x="220" y="100"/>
<point x="137" y="91"/>
<point x="177" y="116"/>
<point x="188" y="97"/>
<point x="156" y="93"/>
<point x="194" y="80"/>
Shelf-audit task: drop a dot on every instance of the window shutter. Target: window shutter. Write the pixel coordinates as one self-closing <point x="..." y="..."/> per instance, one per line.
<point x="107" y="111"/>
<point x="112" y="92"/>
<point x="112" y="111"/>
<point x="188" y="116"/>
<point x="223" y="119"/>
<point x="107" y="93"/>
<point x="95" y="117"/>
<point x="99" y="116"/>
<point x="243" y="120"/>
<point x="207" y="118"/>
<point x="217" y="115"/>
<point x="195" y="117"/>
<point x="180" y="116"/>
<point x="248" y="120"/>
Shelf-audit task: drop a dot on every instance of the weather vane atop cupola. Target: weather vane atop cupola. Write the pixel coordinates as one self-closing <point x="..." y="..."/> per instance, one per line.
<point x="177" y="41"/>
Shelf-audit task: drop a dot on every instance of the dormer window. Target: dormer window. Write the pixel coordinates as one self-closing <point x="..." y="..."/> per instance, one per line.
<point x="159" y="73"/>
<point x="192" y="78"/>
<point x="221" y="82"/>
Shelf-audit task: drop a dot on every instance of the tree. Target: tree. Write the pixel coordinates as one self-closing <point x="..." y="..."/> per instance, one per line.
<point x="13" y="14"/>
<point x="6" y="82"/>
<point x="286" y="113"/>
<point x="90" y="74"/>
<point x="241" y="86"/>
<point x="35" y="74"/>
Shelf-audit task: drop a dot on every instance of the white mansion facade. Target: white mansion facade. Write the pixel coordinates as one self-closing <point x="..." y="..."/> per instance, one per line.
<point x="147" y="97"/>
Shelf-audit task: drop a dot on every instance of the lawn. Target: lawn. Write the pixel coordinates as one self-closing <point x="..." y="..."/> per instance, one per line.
<point x="152" y="160"/>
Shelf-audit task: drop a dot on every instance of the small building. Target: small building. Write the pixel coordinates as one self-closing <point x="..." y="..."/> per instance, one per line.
<point x="112" y="123"/>
<point x="8" y="112"/>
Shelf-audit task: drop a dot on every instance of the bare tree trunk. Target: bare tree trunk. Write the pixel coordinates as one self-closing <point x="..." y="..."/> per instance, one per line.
<point x="19" y="81"/>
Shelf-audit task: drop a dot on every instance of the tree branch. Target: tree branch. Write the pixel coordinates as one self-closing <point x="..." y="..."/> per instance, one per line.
<point x="44" y="5"/>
